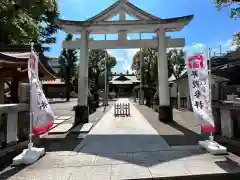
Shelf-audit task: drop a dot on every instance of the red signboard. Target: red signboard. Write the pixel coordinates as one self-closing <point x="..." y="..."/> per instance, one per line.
<point x="195" y="62"/>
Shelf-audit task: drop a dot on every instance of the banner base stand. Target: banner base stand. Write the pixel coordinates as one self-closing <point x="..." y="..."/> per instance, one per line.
<point x="29" y="156"/>
<point x="212" y="147"/>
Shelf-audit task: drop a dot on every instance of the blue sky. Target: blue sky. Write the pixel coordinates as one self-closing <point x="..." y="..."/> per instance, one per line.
<point x="209" y="28"/>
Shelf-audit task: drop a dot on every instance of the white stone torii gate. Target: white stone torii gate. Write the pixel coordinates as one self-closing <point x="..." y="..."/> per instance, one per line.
<point x="144" y="23"/>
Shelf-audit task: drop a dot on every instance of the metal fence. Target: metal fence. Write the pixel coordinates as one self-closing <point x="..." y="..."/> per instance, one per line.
<point x="122" y="109"/>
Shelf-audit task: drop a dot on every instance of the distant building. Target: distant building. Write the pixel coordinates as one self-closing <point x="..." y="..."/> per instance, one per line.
<point x="123" y="84"/>
<point x="54" y="63"/>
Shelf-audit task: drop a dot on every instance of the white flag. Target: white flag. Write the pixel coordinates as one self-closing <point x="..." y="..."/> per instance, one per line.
<point x="43" y="117"/>
<point x="200" y="91"/>
<point x="33" y="66"/>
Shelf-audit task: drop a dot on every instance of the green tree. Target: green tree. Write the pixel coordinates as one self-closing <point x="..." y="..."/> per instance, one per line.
<point x="149" y="69"/>
<point x="149" y="65"/>
<point x="96" y="64"/>
<point x="235" y="14"/>
<point x="23" y="22"/>
<point x="96" y="69"/>
<point x="176" y="64"/>
<point x="176" y="60"/>
<point x="68" y="67"/>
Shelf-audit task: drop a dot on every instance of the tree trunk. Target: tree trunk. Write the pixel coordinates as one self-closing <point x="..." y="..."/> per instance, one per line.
<point x="148" y="93"/>
<point x="68" y="84"/>
<point x="68" y="91"/>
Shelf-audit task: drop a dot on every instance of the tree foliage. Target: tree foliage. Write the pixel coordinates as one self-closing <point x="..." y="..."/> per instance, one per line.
<point x="176" y="60"/>
<point x="96" y="68"/>
<point x="176" y="64"/>
<point x="96" y="65"/>
<point x="22" y="22"/>
<point x="235" y="14"/>
<point x="68" y="66"/>
<point x="149" y="67"/>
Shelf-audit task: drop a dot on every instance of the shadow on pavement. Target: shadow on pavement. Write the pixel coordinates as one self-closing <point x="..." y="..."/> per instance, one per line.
<point x="174" y="133"/>
<point x="11" y="171"/>
<point x="147" y="151"/>
<point x="187" y="138"/>
<point x="198" y="177"/>
<point x="52" y="143"/>
<point x="60" y="142"/>
<point x="142" y="150"/>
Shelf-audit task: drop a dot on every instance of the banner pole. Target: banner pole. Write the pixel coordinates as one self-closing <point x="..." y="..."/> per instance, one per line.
<point x="210" y="85"/>
<point x="30" y="145"/>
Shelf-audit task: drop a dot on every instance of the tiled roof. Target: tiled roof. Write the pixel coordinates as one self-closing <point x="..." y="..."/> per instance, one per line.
<point x="21" y="59"/>
<point x="130" y="79"/>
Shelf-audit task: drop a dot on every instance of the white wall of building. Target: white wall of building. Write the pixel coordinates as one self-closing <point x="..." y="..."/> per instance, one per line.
<point x="184" y="87"/>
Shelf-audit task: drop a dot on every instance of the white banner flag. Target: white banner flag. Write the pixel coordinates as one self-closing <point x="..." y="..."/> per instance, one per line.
<point x="200" y="91"/>
<point x="43" y="118"/>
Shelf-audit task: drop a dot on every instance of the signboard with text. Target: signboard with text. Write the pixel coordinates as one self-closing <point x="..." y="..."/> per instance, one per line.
<point x="200" y="91"/>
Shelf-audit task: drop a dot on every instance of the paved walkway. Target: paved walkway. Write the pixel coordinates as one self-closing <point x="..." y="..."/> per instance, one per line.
<point x="183" y="130"/>
<point x="125" y="148"/>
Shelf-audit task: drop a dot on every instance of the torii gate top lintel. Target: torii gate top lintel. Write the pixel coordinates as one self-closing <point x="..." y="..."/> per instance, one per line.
<point x="145" y="22"/>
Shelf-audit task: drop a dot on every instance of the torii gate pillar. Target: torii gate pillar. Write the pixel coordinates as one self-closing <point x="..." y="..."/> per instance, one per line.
<point x="165" y="109"/>
<point x="82" y="110"/>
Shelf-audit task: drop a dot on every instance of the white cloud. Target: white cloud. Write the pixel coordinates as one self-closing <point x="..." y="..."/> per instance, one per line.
<point x="120" y="59"/>
<point x="128" y="56"/>
<point x="110" y="52"/>
<point x="225" y="45"/>
<point x="124" y="58"/>
<point x="195" y="48"/>
<point x="199" y="46"/>
<point x="126" y="67"/>
<point x="228" y="45"/>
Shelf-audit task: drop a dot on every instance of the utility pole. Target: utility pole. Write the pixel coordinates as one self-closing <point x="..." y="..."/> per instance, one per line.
<point x="210" y="83"/>
<point x="214" y="53"/>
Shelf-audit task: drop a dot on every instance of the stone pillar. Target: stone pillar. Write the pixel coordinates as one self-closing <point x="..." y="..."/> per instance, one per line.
<point x="81" y="110"/>
<point x="1" y="90"/>
<point x="165" y="109"/>
<point x="23" y="116"/>
<point x="226" y="123"/>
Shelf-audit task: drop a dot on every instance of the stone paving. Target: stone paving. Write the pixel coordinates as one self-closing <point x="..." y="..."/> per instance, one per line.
<point x="125" y="148"/>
